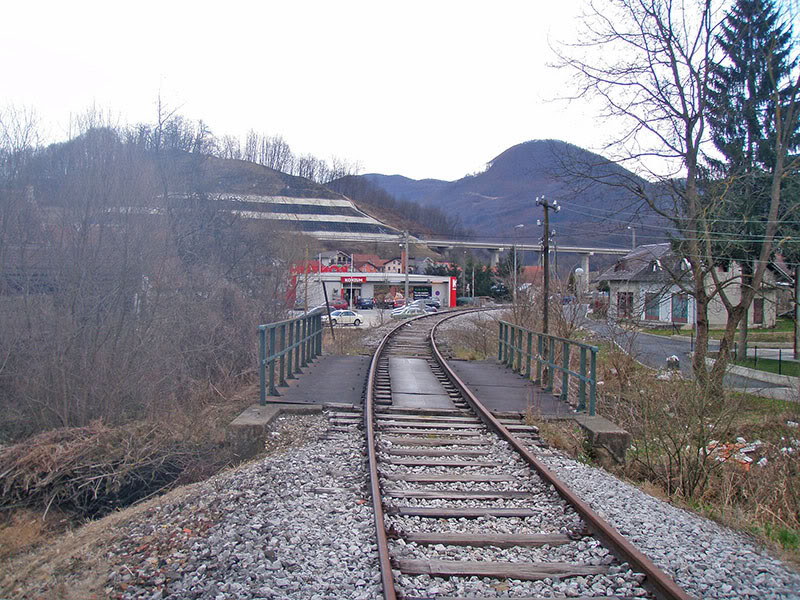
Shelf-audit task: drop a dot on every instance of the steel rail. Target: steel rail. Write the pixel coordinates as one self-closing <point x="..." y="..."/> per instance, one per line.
<point x="659" y="582"/>
<point x="384" y="559"/>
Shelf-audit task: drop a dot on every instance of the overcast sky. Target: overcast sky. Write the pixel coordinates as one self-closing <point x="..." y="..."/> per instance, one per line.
<point x="422" y="89"/>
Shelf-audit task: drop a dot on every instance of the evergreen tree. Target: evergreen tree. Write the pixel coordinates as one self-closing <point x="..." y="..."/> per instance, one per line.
<point x="481" y="274"/>
<point x="758" y="60"/>
<point x="746" y="90"/>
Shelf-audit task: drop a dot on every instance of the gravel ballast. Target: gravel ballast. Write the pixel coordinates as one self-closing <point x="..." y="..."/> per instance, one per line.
<point x="705" y="558"/>
<point x="292" y="525"/>
<point x="298" y="524"/>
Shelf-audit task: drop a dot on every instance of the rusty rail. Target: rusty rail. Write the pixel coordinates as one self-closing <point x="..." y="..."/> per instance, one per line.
<point x="658" y="581"/>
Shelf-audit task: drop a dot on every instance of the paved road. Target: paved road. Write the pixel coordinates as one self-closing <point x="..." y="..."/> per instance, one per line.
<point x="653" y="350"/>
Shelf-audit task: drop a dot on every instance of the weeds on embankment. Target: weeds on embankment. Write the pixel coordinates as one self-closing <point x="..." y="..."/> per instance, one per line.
<point x="732" y="457"/>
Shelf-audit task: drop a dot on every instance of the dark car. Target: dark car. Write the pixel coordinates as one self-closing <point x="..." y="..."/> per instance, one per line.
<point x="365" y="303"/>
<point x="385" y="302"/>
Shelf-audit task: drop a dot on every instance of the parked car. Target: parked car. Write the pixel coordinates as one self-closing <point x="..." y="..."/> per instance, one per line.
<point x="399" y="303"/>
<point x="365" y="303"/>
<point x="429" y="309"/>
<point x="433" y="302"/>
<point x="339" y="304"/>
<point x="384" y="302"/>
<point x="344" y="317"/>
<point x="407" y="312"/>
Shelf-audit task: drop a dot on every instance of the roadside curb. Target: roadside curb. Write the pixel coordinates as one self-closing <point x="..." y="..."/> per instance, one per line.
<point x="774" y="378"/>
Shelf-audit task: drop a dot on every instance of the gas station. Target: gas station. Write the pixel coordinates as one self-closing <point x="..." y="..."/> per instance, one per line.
<point x="386" y="287"/>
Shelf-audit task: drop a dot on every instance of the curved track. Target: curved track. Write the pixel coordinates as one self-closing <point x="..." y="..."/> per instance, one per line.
<point x="463" y="508"/>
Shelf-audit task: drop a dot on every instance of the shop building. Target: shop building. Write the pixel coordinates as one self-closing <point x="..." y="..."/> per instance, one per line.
<point x="386" y="287"/>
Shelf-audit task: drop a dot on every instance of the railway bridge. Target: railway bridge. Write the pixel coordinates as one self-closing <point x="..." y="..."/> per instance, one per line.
<point x="447" y="444"/>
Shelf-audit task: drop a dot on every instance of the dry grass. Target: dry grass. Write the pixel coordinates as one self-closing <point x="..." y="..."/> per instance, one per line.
<point x="673" y="424"/>
<point x="57" y="559"/>
<point x="349" y="341"/>
<point x="472" y="336"/>
<point x="23" y="529"/>
<point x="565" y="436"/>
<point x="73" y="565"/>
<point x="90" y="471"/>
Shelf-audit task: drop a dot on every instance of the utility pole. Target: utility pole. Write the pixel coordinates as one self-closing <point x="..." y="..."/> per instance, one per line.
<point x="405" y="262"/>
<point x="352" y="265"/>
<point x="305" y="298"/>
<point x="546" y="254"/>
<point x="515" y="274"/>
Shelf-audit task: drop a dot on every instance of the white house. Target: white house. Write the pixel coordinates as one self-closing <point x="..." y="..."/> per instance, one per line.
<point x="394" y="265"/>
<point x="643" y="287"/>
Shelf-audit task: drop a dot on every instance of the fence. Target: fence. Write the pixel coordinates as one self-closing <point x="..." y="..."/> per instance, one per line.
<point x="510" y="351"/>
<point x="286" y="346"/>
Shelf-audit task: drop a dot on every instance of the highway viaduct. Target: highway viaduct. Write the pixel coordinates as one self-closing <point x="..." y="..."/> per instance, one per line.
<point x="447" y="246"/>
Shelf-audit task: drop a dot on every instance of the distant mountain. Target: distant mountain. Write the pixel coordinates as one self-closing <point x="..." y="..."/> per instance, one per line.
<point x="404" y="188"/>
<point x="492" y="203"/>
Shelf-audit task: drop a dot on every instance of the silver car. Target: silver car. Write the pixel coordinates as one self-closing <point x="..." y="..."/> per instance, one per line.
<point x="407" y="312"/>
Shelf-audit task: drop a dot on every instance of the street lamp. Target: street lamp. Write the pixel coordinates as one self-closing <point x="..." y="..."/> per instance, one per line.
<point x="404" y="263"/>
<point x="579" y="282"/>
<point x="633" y="237"/>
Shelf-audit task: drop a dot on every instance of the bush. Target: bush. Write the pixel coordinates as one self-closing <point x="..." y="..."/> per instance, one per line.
<point x="93" y="470"/>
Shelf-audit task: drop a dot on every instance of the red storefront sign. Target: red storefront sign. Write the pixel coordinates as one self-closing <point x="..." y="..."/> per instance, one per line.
<point x="453" y="290"/>
<point x="354" y="279"/>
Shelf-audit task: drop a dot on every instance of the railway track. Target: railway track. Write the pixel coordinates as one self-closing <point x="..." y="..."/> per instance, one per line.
<point x="463" y="508"/>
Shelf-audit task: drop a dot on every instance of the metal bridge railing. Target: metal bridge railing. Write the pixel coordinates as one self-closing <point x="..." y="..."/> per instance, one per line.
<point x="515" y="349"/>
<point x="286" y="347"/>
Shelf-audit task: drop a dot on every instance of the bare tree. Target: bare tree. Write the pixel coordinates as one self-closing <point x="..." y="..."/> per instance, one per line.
<point x="229" y="148"/>
<point x="251" y="144"/>
<point x="650" y="63"/>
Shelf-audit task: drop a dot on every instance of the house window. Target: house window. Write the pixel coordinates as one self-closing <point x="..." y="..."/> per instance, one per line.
<point x="651" y="306"/>
<point x="758" y="311"/>
<point x="680" y="308"/>
<point x="624" y="305"/>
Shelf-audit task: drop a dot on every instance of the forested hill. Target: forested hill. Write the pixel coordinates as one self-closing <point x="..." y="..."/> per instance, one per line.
<point x="55" y="172"/>
<point x="503" y="196"/>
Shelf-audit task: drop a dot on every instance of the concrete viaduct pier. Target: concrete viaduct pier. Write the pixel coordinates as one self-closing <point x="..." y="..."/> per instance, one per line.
<point x="447" y="246"/>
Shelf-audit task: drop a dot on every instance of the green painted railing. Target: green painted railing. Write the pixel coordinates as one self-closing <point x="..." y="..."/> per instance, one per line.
<point x="516" y="350"/>
<point x="286" y="347"/>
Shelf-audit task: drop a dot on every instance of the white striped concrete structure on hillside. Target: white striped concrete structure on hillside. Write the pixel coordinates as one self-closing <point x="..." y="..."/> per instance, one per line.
<point x="322" y="218"/>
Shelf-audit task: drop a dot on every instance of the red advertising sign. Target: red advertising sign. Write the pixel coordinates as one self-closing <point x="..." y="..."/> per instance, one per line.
<point x="453" y="290"/>
<point x="354" y="279"/>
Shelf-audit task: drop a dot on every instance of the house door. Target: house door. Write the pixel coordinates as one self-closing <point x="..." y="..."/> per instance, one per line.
<point x="624" y="305"/>
<point x="651" y="306"/>
<point x="758" y="311"/>
<point x="680" y="308"/>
